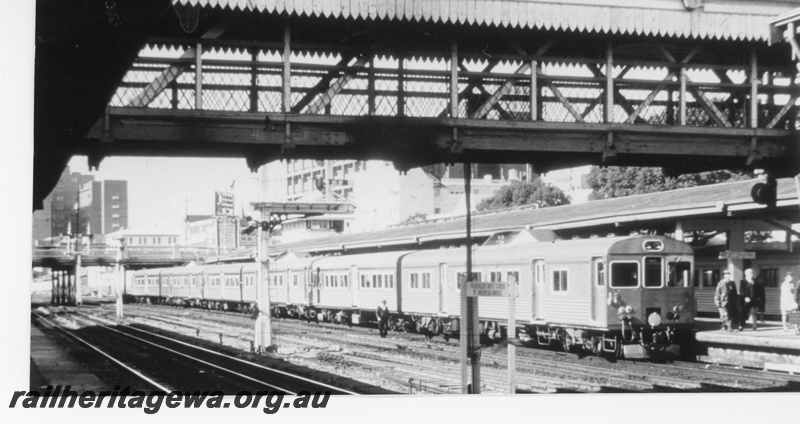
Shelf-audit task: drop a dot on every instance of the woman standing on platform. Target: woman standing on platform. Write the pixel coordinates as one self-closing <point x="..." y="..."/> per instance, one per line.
<point x="788" y="304"/>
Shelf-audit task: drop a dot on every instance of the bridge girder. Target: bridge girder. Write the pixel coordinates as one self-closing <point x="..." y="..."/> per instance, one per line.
<point x="551" y="97"/>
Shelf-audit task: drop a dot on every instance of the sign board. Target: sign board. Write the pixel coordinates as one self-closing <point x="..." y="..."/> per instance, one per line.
<point x="737" y="255"/>
<point x="223" y="203"/>
<point x="487" y="289"/>
<point x="202" y="233"/>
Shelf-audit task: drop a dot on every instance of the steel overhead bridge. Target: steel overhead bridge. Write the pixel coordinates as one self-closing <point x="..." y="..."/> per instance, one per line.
<point x="133" y="257"/>
<point x="688" y="85"/>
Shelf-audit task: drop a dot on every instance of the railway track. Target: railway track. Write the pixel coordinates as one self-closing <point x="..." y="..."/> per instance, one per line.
<point x="171" y="364"/>
<point x="599" y="376"/>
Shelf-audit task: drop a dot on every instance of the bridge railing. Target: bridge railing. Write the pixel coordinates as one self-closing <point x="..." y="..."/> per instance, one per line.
<point x="130" y="253"/>
<point x="676" y="90"/>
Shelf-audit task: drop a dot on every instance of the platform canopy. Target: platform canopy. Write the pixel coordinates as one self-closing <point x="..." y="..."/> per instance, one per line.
<point x="712" y="19"/>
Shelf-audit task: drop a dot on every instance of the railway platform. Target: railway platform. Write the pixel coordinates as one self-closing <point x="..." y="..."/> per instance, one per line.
<point x="769" y="347"/>
<point x="52" y="365"/>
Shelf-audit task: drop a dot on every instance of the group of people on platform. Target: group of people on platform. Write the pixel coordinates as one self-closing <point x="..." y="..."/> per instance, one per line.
<point x="748" y="298"/>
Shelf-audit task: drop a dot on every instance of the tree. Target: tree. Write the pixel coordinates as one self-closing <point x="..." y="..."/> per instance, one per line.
<point x="417" y="217"/>
<point x="535" y="192"/>
<point x="627" y="180"/>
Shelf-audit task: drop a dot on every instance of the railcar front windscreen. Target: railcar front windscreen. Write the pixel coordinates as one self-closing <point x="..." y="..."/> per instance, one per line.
<point x="624" y="274"/>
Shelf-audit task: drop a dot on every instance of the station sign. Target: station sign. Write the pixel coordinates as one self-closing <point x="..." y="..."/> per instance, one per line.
<point x="488" y="289"/>
<point x="737" y="255"/>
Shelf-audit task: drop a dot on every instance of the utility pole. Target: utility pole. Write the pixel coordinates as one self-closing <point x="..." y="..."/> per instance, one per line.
<point x="470" y="337"/>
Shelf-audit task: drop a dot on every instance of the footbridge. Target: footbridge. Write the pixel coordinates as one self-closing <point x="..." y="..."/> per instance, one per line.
<point x="688" y="85"/>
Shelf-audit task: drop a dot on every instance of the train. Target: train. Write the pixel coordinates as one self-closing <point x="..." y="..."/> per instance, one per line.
<point x="628" y="296"/>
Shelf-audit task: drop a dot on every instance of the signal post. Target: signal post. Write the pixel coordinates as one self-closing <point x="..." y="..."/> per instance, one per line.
<point x="272" y="216"/>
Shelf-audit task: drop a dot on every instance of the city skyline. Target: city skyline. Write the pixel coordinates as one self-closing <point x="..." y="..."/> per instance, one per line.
<point x="162" y="191"/>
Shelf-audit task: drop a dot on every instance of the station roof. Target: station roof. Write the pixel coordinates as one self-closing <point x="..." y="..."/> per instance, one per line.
<point x="704" y="19"/>
<point x="645" y="211"/>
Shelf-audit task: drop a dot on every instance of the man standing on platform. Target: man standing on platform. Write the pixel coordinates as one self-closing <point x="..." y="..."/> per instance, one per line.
<point x="725" y="299"/>
<point x="383" y="319"/>
<point x="746" y="299"/>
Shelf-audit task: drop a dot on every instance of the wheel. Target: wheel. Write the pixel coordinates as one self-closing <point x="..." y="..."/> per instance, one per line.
<point x="567" y="343"/>
<point x="597" y="346"/>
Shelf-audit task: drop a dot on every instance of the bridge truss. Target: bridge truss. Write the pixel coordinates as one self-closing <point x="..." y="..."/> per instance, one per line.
<point x="450" y="94"/>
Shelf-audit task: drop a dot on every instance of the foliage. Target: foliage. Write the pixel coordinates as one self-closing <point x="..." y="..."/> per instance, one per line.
<point x="628" y="180"/>
<point x="535" y="192"/>
<point x="417" y="217"/>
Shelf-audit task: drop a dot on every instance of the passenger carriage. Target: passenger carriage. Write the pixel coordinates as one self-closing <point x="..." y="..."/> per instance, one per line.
<point x="349" y="288"/>
<point x="295" y="272"/>
<point x="225" y="286"/>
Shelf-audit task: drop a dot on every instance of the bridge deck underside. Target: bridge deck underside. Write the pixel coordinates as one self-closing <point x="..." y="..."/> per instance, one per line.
<point x="422" y="93"/>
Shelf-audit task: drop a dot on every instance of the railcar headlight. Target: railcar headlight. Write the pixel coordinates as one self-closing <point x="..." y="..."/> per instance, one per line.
<point x="628" y="309"/>
<point x="654" y="319"/>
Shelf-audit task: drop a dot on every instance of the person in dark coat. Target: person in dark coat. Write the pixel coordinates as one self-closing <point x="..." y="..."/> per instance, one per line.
<point x="383" y="319"/>
<point x="746" y="299"/>
<point x="725" y="299"/>
<point x="758" y="298"/>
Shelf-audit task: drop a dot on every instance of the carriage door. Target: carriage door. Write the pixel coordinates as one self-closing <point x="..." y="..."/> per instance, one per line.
<point x="598" y="290"/>
<point x="441" y="285"/>
<point x="354" y="284"/>
<point x="538" y="288"/>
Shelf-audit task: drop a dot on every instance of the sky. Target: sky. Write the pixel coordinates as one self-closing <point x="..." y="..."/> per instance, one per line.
<point x="161" y="190"/>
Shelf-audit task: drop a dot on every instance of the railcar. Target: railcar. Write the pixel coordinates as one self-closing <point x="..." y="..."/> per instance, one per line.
<point x="625" y="296"/>
<point x="628" y="296"/>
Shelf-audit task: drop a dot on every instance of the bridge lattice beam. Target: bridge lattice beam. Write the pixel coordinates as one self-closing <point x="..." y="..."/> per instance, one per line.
<point x="615" y="104"/>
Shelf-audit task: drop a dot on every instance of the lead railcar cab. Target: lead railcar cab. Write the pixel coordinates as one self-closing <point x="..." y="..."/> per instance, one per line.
<point x="628" y="296"/>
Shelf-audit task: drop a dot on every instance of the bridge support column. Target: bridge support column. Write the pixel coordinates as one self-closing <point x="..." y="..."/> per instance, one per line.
<point x="118" y="289"/>
<point x="78" y="294"/>
<point x="59" y="287"/>
<point x="53" y="286"/>
<point x="57" y="278"/>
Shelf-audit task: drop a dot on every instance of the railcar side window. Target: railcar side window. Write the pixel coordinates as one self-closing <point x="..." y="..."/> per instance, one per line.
<point x="426" y="280"/>
<point x="625" y="274"/>
<point x="414" y="282"/>
<point x="460" y="276"/>
<point x="559" y="280"/>
<point x="771" y="276"/>
<point x="495" y="276"/>
<point x="678" y="272"/>
<point x="600" y="273"/>
<point x="708" y="278"/>
<point x="653" y="272"/>
<point x="538" y="271"/>
<point x="515" y="276"/>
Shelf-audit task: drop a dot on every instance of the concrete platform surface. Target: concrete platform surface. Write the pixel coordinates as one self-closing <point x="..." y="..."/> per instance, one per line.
<point x="768" y="335"/>
<point x="52" y="365"/>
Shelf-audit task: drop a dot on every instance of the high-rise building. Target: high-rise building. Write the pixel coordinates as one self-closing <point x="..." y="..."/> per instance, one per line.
<point x="381" y="195"/>
<point x="104" y="204"/>
<point x="78" y="204"/>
